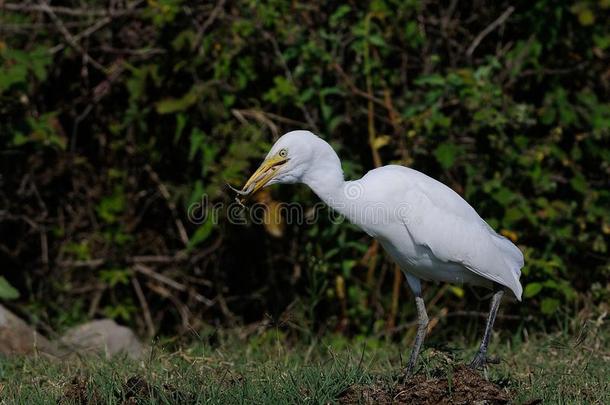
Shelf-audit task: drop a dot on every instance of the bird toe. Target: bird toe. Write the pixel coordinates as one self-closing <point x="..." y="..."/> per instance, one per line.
<point x="479" y="361"/>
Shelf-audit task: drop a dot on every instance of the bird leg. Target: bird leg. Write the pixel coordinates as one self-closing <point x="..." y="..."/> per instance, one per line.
<point x="422" y="328"/>
<point x="480" y="359"/>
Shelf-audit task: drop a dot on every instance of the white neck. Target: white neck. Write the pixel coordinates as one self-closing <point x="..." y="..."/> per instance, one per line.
<point x="325" y="178"/>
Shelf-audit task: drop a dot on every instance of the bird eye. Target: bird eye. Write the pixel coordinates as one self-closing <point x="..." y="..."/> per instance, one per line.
<point x="283" y="153"/>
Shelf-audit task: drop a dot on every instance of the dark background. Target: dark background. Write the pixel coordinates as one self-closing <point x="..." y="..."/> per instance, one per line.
<point x="117" y="116"/>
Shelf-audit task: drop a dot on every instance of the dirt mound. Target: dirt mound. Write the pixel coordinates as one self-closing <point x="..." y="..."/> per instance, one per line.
<point x="461" y="386"/>
<point x="76" y="392"/>
<point x="135" y="390"/>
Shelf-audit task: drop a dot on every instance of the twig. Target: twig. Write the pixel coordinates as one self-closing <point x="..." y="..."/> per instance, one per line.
<point x="28" y="27"/>
<point x="171" y="283"/>
<point x="182" y="309"/>
<point x="145" y="309"/>
<point x="56" y="9"/>
<point x="369" y="90"/>
<point x="495" y="24"/>
<point x="288" y="73"/>
<point x="484" y="315"/>
<point x="207" y="251"/>
<point x="370" y="260"/>
<point x="159" y="277"/>
<point x="172" y="206"/>
<point x="266" y="118"/>
<point x="44" y="247"/>
<point x="555" y="71"/>
<point x="70" y="39"/>
<point x="133" y="52"/>
<point x="98" y="25"/>
<point x="257" y="115"/>
<point x="514" y="64"/>
<point x="82" y="263"/>
<point x="355" y="89"/>
<point x="207" y="23"/>
<point x="83" y="34"/>
<point x="398" y="279"/>
<point x="95" y="301"/>
<point x="178" y="257"/>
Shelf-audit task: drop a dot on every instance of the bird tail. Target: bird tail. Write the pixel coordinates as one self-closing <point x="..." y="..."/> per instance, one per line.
<point x="513" y="258"/>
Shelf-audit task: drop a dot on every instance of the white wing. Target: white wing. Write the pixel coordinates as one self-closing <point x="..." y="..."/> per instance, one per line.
<point x="438" y="218"/>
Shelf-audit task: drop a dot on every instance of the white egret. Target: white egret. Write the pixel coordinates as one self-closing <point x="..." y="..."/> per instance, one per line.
<point x="426" y="227"/>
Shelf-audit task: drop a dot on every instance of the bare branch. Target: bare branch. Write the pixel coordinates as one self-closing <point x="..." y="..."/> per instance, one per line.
<point x="40" y="8"/>
<point x="171" y="205"/>
<point x="495" y="24"/>
<point x="70" y="39"/>
<point x="145" y="309"/>
<point x="348" y="81"/>
<point x="207" y="23"/>
<point x="170" y="283"/>
<point x="99" y="24"/>
<point x="288" y="73"/>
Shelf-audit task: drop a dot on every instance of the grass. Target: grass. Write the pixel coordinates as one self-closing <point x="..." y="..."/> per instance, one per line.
<point x="557" y="369"/>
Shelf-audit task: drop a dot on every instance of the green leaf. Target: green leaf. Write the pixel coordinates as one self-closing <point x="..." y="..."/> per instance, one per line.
<point x="549" y="305"/>
<point x="432" y="80"/>
<point x="446" y="153"/>
<point x="513" y="214"/>
<point x="347" y="266"/>
<point x="16" y="64"/>
<point x="115" y="276"/>
<point x="197" y="142"/>
<point x="579" y="183"/>
<point x="7" y="291"/>
<point x="586" y="17"/>
<point x="532" y="289"/>
<point x="180" y="124"/>
<point x="282" y="91"/>
<point x="457" y="291"/>
<point x="338" y="15"/>
<point x="504" y="196"/>
<point x="12" y="75"/>
<point x="172" y="105"/>
<point x="202" y="233"/>
<point x="110" y="207"/>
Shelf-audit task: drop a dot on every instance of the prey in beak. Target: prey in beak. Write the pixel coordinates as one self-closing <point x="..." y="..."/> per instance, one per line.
<point x="267" y="171"/>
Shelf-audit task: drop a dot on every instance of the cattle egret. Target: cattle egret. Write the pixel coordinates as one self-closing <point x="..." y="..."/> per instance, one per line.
<point x="426" y="227"/>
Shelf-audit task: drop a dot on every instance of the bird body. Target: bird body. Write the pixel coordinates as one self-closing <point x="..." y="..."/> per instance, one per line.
<point x="430" y="231"/>
<point x="427" y="228"/>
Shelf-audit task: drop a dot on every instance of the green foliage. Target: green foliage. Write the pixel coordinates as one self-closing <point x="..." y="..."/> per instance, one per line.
<point x="103" y="166"/>
<point x="110" y="207"/>
<point x="115" y="276"/>
<point x="202" y="233"/>
<point x="7" y="291"/>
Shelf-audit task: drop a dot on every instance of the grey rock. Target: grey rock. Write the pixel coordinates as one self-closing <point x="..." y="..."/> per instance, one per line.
<point x="103" y="337"/>
<point x="18" y="338"/>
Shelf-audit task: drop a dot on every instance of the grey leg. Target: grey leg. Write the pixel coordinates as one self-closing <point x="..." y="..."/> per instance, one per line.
<point x="422" y="328"/>
<point x="480" y="359"/>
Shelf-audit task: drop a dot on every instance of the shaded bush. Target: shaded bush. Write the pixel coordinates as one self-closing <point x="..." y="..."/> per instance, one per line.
<point x="114" y="121"/>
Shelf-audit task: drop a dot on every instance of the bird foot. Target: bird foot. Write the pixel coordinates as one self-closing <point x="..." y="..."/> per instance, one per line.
<point x="407" y="372"/>
<point x="405" y="376"/>
<point x="481" y="360"/>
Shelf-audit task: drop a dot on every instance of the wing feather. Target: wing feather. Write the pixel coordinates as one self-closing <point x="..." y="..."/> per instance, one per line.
<point x="442" y="221"/>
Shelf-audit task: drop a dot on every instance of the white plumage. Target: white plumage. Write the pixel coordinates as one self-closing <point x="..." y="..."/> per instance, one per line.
<point x="425" y="226"/>
<point x="438" y="236"/>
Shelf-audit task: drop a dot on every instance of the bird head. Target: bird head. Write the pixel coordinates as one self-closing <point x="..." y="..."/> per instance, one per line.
<point x="287" y="161"/>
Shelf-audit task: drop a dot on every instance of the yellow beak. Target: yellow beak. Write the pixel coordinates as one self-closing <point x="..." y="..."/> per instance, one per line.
<point x="267" y="171"/>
